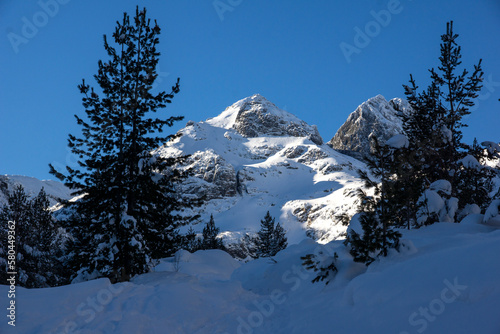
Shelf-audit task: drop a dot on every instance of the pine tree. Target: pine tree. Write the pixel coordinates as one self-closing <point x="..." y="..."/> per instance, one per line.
<point x="325" y="266"/>
<point x="37" y="264"/>
<point x="377" y="214"/>
<point x="47" y="242"/>
<point x="280" y="239"/>
<point x="210" y="236"/>
<point x="270" y="239"/>
<point x="407" y="186"/>
<point x="475" y="178"/>
<point x="265" y="236"/>
<point x="434" y="127"/>
<point x="124" y="219"/>
<point x="191" y="242"/>
<point x="17" y="210"/>
<point x="424" y="128"/>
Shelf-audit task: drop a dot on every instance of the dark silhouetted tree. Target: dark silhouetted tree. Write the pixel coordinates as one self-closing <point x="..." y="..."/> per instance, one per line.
<point x="36" y="260"/>
<point x="125" y="216"/>
<point x="270" y="239"/>
<point x="376" y="213"/>
<point x="434" y="127"/>
<point x="210" y="238"/>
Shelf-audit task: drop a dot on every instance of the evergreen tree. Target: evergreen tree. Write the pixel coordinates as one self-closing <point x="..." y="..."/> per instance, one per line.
<point x="48" y="243"/>
<point x="265" y="236"/>
<point x="426" y="132"/>
<point x="124" y="219"/>
<point x="407" y="186"/>
<point x="474" y="178"/>
<point x="270" y="239"/>
<point x="434" y="127"/>
<point x="17" y="210"/>
<point x="325" y="266"/>
<point x="36" y="260"/>
<point x="376" y="212"/>
<point x="191" y="242"/>
<point x="210" y="239"/>
<point x="280" y="239"/>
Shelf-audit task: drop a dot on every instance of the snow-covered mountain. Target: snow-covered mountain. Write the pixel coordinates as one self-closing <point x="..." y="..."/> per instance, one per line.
<point x="255" y="157"/>
<point x="56" y="191"/>
<point x="377" y="117"/>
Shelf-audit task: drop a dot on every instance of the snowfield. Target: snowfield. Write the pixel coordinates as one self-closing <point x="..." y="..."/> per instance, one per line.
<point x="445" y="279"/>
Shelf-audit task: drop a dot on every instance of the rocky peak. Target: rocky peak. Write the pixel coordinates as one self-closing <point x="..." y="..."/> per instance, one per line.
<point x="255" y="116"/>
<point x="377" y="117"/>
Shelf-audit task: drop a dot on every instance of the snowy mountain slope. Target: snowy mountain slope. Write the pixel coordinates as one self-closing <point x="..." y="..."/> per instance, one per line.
<point x="32" y="186"/>
<point x="279" y="165"/>
<point x="377" y="117"/>
<point x="445" y="281"/>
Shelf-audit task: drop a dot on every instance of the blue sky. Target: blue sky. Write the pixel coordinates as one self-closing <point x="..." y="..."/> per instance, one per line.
<point x="289" y="51"/>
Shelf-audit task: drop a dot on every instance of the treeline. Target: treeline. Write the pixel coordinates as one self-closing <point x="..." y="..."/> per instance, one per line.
<point x="40" y="250"/>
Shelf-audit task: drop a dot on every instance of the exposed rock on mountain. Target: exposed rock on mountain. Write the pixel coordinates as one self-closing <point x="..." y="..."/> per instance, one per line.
<point x="377" y="117"/>
<point x="213" y="176"/>
<point x="256" y="117"/>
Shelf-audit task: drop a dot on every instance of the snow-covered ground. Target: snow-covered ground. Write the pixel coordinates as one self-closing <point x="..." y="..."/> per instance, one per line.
<point x="445" y="280"/>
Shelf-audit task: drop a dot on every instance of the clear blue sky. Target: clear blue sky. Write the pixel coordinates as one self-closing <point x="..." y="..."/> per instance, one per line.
<point x="287" y="50"/>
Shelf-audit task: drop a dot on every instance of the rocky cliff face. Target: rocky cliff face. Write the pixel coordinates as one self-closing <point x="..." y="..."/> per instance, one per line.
<point x="377" y="117"/>
<point x="256" y="117"/>
<point x="213" y="177"/>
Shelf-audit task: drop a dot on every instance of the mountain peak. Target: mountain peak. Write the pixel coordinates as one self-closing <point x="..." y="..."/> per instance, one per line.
<point x="377" y="117"/>
<point x="255" y="116"/>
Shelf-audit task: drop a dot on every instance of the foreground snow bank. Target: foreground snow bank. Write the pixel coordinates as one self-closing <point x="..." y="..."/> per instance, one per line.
<point x="446" y="281"/>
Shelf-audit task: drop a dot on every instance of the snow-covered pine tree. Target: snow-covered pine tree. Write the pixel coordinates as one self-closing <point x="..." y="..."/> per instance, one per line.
<point x="474" y="179"/>
<point x="270" y="239"/>
<point x="210" y="236"/>
<point x="48" y="241"/>
<point x="265" y="236"/>
<point x="17" y="210"/>
<point x="280" y="239"/>
<point x="423" y="128"/>
<point x="376" y="213"/>
<point x="124" y="218"/>
<point x="190" y="241"/>
<point x="406" y="188"/>
<point x="325" y="266"/>
<point x="37" y="264"/>
<point x="434" y="126"/>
